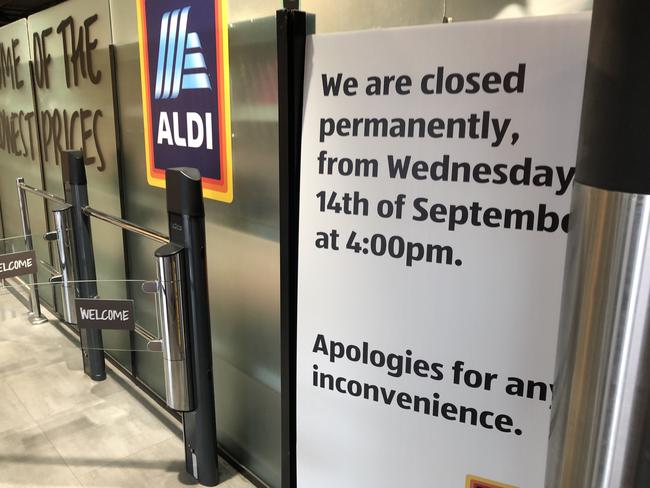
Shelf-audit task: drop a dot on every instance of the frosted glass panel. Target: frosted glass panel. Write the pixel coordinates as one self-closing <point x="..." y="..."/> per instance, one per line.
<point x="112" y="290"/>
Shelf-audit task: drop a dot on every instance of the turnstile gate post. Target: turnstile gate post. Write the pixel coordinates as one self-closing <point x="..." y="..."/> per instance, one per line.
<point x="187" y="229"/>
<point x="172" y="312"/>
<point x="35" y="316"/>
<point x="75" y="188"/>
<point x="65" y="250"/>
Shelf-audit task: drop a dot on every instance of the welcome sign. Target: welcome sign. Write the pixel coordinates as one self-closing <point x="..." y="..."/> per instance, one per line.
<point x="185" y="91"/>
<point x="97" y="313"/>
<point x="17" y="264"/>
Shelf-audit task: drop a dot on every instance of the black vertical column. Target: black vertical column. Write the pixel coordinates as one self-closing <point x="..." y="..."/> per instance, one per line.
<point x="614" y="146"/>
<point x="187" y="229"/>
<point x="75" y="188"/>
<point x="292" y="29"/>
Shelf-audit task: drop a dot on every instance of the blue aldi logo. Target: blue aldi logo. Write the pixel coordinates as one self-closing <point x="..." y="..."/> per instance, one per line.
<point x="186" y="69"/>
<point x="185" y="91"/>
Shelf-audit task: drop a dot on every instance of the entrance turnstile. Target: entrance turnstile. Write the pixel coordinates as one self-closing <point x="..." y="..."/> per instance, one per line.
<point x="179" y="291"/>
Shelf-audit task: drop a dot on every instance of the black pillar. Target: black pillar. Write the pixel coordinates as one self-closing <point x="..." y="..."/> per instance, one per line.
<point x="187" y="229"/>
<point x="75" y="188"/>
<point x="292" y="29"/>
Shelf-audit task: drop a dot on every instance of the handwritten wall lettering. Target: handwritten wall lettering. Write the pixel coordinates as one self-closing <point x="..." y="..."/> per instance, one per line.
<point x="18" y="133"/>
<point x="78" y="52"/>
<point x="17" y="129"/>
<point x="63" y="130"/>
<point x="42" y="58"/>
<point x="9" y="66"/>
<point x="69" y="129"/>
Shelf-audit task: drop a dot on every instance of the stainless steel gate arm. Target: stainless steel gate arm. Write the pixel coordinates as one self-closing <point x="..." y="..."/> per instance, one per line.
<point x="125" y="224"/>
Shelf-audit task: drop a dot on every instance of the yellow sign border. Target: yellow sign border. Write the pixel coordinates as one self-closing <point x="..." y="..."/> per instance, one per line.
<point x="471" y="477"/>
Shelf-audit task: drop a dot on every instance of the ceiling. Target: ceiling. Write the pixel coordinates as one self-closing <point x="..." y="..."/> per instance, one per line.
<point x="11" y="10"/>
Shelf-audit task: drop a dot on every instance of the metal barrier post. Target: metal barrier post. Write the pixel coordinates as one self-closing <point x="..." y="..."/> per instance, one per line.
<point x="187" y="230"/>
<point x="181" y="289"/>
<point x="35" y="316"/>
<point x="600" y="419"/>
<point x="76" y="194"/>
<point x="172" y="310"/>
<point x="65" y="248"/>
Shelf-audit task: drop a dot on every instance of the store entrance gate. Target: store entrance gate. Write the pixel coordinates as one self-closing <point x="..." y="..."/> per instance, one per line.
<point x="168" y="312"/>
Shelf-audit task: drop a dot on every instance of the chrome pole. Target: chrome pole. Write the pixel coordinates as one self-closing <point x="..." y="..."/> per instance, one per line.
<point x="65" y="248"/>
<point x="125" y="224"/>
<point x="600" y="418"/>
<point x="41" y="193"/>
<point x="172" y="312"/>
<point x="35" y="316"/>
<point x="602" y="386"/>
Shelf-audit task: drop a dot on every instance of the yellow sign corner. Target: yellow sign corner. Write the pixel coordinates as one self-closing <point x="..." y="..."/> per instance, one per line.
<point x="472" y="481"/>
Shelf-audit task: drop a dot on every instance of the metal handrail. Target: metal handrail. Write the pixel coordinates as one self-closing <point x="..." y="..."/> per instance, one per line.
<point x="126" y="225"/>
<point x="91" y="212"/>
<point x="145" y="334"/>
<point x="48" y="267"/>
<point x="43" y="193"/>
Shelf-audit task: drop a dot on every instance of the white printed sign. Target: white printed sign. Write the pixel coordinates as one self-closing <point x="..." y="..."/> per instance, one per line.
<point x="437" y="164"/>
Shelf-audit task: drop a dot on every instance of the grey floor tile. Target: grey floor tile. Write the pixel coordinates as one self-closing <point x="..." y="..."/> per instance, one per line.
<point x="62" y="387"/>
<point x="159" y="466"/>
<point x="27" y="458"/>
<point x="58" y="428"/>
<point x="25" y="347"/>
<point x="13" y="414"/>
<point x="105" y="432"/>
<point x="156" y="466"/>
<point x="16" y="357"/>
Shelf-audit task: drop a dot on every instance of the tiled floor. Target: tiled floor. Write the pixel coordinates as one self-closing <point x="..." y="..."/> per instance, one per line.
<point x="58" y="428"/>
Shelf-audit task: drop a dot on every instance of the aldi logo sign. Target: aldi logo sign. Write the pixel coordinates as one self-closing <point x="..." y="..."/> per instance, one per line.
<point x="180" y="64"/>
<point x="185" y="91"/>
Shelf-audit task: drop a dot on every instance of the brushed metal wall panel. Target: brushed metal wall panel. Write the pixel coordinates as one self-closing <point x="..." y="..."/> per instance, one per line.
<point x="473" y="10"/>
<point x="81" y="116"/>
<point x="243" y="245"/>
<point x="372" y="14"/>
<point x="19" y="146"/>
